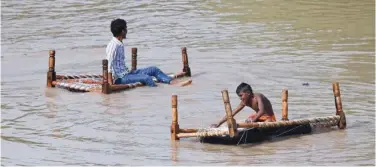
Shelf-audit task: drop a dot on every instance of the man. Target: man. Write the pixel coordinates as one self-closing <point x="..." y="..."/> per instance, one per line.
<point x="257" y="101"/>
<point x="116" y="59"/>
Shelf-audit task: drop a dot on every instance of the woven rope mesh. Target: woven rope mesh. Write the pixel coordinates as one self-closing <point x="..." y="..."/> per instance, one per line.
<point x="80" y="82"/>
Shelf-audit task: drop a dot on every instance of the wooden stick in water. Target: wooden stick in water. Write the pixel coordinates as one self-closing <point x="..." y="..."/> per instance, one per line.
<point x="284" y="105"/>
<point x="230" y="120"/>
<point x="134" y="59"/>
<point x="51" y="74"/>
<point x="106" y="89"/>
<point x="174" y="124"/>
<point x="338" y="103"/>
<point x="120" y="87"/>
<point x="186" y="67"/>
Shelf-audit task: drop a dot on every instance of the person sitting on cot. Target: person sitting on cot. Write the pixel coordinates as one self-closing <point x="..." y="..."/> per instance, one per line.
<point x="117" y="66"/>
<point x="257" y="101"/>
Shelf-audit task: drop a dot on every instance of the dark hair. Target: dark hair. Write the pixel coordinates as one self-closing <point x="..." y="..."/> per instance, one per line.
<point x="117" y="26"/>
<point x="244" y="87"/>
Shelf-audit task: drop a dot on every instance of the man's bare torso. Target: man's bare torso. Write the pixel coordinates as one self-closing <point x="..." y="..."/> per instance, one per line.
<point x="267" y="105"/>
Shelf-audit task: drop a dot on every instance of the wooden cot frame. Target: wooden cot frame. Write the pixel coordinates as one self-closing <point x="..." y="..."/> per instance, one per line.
<point x="177" y="132"/>
<point x="107" y="85"/>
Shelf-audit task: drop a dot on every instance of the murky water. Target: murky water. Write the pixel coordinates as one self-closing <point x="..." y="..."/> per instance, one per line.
<point x="270" y="44"/>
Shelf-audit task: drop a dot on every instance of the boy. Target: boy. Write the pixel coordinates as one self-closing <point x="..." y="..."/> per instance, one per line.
<point x="116" y="61"/>
<point x="257" y="101"/>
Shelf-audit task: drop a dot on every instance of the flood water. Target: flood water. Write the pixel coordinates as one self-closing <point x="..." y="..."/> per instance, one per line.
<point x="271" y="45"/>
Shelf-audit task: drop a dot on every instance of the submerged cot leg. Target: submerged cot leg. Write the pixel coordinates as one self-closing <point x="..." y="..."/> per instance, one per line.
<point x="174" y="124"/>
<point x="338" y="103"/>
<point x="284" y="105"/>
<point x="186" y="67"/>
<point x="51" y="74"/>
<point x="134" y="59"/>
<point x="106" y="88"/>
<point x="232" y="126"/>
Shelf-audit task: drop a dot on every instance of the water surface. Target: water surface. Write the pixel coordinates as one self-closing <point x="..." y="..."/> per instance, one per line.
<point x="270" y="44"/>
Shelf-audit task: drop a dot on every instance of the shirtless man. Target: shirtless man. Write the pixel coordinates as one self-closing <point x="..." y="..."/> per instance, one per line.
<point x="257" y="101"/>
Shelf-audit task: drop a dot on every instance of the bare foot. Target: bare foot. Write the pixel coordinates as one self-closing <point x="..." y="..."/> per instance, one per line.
<point x="185" y="83"/>
<point x="174" y="81"/>
<point x="181" y="83"/>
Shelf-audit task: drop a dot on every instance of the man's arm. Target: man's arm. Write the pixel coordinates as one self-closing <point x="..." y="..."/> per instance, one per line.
<point x="237" y="110"/>
<point x="111" y="52"/>
<point x="115" y="61"/>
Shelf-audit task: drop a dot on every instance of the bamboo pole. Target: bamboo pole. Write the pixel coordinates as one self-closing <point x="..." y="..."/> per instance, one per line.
<point x="230" y="120"/>
<point x="186" y="135"/>
<point x="338" y="104"/>
<point x="288" y="123"/>
<point x="186" y="67"/>
<point x="174" y="124"/>
<point x="51" y="74"/>
<point x="134" y="59"/>
<point x="284" y="105"/>
<point x="188" y="130"/>
<point x="118" y="87"/>
<point x="106" y="89"/>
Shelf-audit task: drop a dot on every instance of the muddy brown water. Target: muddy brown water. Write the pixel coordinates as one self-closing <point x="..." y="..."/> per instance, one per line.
<point x="270" y="44"/>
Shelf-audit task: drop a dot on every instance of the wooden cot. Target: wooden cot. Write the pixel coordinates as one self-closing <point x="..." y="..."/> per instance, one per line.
<point x="242" y="133"/>
<point x="101" y="82"/>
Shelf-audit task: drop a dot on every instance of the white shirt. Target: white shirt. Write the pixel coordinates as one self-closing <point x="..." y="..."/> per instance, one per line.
<point x="116" y="59"/>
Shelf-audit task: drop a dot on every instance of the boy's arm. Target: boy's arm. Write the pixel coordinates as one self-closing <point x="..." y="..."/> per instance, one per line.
<point x="237" y="110"/>
<point x="261" y="109"/>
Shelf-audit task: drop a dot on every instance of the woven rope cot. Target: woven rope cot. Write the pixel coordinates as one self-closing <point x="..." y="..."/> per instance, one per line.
<point x="103" y="82"/>
<point x="88" y="83"/>
<point x="222" y="131"/>
<point x="233" y="132"/>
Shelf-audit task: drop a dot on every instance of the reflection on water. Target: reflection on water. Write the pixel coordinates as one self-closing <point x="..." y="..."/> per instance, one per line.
<point x="270" y="44"/>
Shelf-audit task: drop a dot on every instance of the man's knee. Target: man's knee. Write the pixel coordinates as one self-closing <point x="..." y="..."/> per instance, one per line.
<point x="148" y="80"/>
<point x="151" y="70"/>
<point x="154" y="68"/>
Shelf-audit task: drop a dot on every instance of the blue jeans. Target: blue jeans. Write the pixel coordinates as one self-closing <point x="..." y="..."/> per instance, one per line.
<point x="145" y="76"/>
